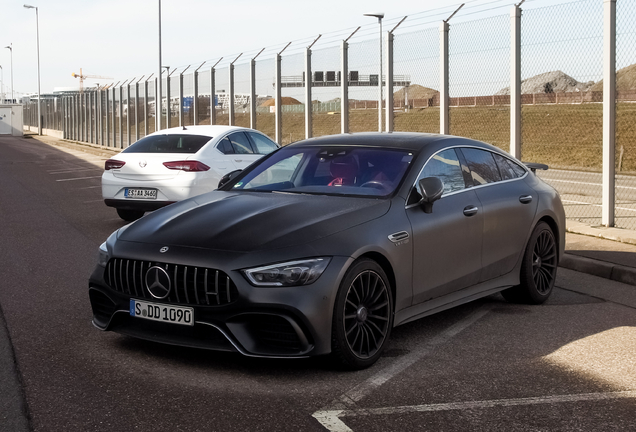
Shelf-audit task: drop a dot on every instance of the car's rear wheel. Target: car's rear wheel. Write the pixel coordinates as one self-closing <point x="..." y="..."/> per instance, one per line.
<point x="363" y="315"/>
<point x="130" y="215"/>
<point x="538" y="269"/>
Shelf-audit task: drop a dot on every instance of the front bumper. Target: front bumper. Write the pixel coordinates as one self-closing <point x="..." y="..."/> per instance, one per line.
<point x="260" y="322"/>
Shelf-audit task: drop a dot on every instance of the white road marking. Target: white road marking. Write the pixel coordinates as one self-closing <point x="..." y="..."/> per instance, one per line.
<point x="71" y="171"/>
<point x="585" y="183"/>
<point x="78" y="178"/>
<point x="597" y="205"/>
<point x="333" y="422"/>
<point x="328" y="416"/>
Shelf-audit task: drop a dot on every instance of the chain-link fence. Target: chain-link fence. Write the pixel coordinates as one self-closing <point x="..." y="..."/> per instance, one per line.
<point x="561" y="69"/>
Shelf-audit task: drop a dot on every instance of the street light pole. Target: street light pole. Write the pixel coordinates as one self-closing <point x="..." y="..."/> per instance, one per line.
<point x="379" y="16"/>
<point x="10" y="47"/>
<point x="37" y="27"/>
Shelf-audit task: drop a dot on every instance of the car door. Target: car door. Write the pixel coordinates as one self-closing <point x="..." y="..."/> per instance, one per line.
<point x="508" y="204"/>
<point x="447" y="242"/>
<point x="244" y="152"/>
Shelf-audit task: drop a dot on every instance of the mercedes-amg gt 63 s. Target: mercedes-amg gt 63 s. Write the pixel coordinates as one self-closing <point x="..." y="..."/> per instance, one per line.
<point x="325" y="245"/>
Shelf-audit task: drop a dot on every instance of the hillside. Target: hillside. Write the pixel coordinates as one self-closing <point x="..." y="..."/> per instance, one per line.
<point x="549" y="82"/>
<point x="625" y="79"/>
<point x="285" y="101"/>
<point x="415" y="91"/>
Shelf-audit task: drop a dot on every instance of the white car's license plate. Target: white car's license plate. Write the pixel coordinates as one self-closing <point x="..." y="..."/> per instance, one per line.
<point x="140" y="193"/>
<point x="162" y="312"/>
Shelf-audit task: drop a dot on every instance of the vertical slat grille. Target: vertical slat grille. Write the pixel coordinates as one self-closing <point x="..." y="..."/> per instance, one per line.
<point x="189" y="285"/>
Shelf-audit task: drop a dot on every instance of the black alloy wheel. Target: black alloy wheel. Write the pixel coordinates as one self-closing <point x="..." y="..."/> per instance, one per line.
<point x="538" y="269"/>
<point x="363" y="315"/>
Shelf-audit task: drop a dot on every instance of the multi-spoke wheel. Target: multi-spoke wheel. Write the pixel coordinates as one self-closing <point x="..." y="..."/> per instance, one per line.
<point x="538" y="269"/>
<point x="363" y="315"/>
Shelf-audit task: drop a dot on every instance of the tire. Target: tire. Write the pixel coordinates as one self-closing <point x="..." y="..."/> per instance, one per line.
<point x="363" y="315"/>
<point x="130" y="215"/>
<point x="538" y="269"/>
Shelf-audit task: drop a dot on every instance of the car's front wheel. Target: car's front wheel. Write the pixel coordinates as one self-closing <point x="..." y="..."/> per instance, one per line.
<point x="130" y="215"/>
<point x="538" y="269"/>
<point x="363" y="315"/>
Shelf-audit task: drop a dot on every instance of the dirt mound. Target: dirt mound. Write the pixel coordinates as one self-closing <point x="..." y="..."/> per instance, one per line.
<point x="625" y="79"/>
<point x="415" y="91"/>
<point x="549" y="82"/>
<point x="284" y="101"/>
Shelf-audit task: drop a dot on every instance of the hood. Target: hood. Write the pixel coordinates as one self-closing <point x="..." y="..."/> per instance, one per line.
<point x="249" y="221"/>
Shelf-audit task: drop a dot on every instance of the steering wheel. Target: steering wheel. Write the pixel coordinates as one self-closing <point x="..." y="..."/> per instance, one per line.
<point x="376" y="185"/>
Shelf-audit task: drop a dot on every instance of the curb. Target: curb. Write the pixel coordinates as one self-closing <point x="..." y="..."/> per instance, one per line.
<point x="615" y="272"/>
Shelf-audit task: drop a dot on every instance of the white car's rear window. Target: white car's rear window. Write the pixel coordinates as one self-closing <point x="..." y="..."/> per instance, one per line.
<point x="169" y="144"/>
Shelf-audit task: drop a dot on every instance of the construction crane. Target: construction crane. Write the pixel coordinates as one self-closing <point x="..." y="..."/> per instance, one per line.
<point x="82" y="77"/>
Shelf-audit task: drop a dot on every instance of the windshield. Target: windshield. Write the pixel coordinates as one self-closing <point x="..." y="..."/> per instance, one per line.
<point x="169" y="144"/>
<point x="354" y="171"/>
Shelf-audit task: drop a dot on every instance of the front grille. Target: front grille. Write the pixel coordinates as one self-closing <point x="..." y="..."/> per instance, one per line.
<point x="189" y="285"/>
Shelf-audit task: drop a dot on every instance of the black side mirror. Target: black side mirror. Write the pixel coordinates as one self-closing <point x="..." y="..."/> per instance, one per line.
<point x="431" y="189"/>
<point x="228" y="178"/>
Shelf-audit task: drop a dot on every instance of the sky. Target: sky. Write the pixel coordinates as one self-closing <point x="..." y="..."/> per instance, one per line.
<point x="118" y="39"/>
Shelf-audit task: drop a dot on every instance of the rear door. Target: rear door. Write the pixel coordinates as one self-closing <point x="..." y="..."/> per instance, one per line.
<point x="509" y="206"/>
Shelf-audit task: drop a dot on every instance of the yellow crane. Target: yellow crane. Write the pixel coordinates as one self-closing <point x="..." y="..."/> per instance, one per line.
<point x="82" y="77"/>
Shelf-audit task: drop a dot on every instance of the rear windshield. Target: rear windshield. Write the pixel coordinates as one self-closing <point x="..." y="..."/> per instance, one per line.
<point x="169" y="144"/>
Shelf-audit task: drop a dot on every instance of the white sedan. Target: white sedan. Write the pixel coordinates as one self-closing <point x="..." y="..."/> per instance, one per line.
<point x="177" y="163"/>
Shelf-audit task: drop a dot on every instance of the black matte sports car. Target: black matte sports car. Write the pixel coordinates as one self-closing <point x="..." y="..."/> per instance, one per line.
<point x="325" y="245"/>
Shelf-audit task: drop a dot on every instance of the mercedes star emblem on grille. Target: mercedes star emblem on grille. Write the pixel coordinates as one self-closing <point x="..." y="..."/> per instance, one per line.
<point x="158" y="282"/>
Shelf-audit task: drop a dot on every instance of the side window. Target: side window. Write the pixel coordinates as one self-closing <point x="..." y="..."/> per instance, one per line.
<point x="263" y="144"/>
<point x="445" y="166"/>
<point x="483" y="167"/>
<point x="508" y="169"/>
<point x="241" y="143"/>
<point x="225" y="146"/>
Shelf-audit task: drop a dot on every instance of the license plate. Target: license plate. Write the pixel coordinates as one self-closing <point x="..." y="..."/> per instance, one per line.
<point x="139" y="193"/>
<point x="162" y="312"/>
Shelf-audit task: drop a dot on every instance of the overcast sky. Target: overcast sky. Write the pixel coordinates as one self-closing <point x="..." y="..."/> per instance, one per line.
<point x="119" y="38"/>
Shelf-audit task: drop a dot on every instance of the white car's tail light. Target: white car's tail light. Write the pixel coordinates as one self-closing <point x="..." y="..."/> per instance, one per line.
<point x="186" y="165"/>
<point x="113" y="164"/>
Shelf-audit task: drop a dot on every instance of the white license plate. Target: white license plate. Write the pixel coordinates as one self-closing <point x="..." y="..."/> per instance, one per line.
<point x="140" y="193"/>
<point x="162" y="312"/>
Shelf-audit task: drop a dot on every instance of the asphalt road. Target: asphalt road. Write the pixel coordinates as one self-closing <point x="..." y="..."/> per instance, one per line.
<point x="582" y="193"/>
<point x="488" y="365"/>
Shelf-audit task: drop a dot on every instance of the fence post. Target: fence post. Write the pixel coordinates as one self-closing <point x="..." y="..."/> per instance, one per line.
<point x="168" y="102"/>
<point x="389" y="82"/>
<point x="212" y="96"/>
<point x="277" y="102"/>
<point x="137" y="109"/>
<point x="100" y="101"/>
<point x="195" y="97"/>
<point x="253" y="90"/>
<point x="146" y="105"/>
<point x="121" y="115"/>
<point x="308" y="82"/>
<point x="106" y="142"/>
<point x="515" y="82"/>
<point x="609" y="112"/>
<point x="113" y="117"/>
<point x="231" y="92"/>
<point x="344" y="86"/>
<point x="444" y="109"/>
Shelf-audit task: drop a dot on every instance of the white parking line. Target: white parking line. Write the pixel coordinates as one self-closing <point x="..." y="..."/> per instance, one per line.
<point x="72" y="171"/>
<point x="349" y="399"/>
<point x="332" y="419"/>
<point x="78" y="178"/>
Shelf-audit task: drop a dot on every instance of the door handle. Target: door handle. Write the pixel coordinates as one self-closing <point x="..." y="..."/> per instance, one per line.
<point x="525" y="199"/>
<point x="238" y="160"/>
<point x="470" y="211"/>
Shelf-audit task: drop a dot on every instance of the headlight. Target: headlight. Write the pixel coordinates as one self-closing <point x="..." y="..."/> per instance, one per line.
<point x="293" y="273"/>
<point x="103" y="255"/>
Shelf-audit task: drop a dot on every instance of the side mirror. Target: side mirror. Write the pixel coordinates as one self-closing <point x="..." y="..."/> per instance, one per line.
<point x="431" y="189"/>
<point x="228" y="178"/>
